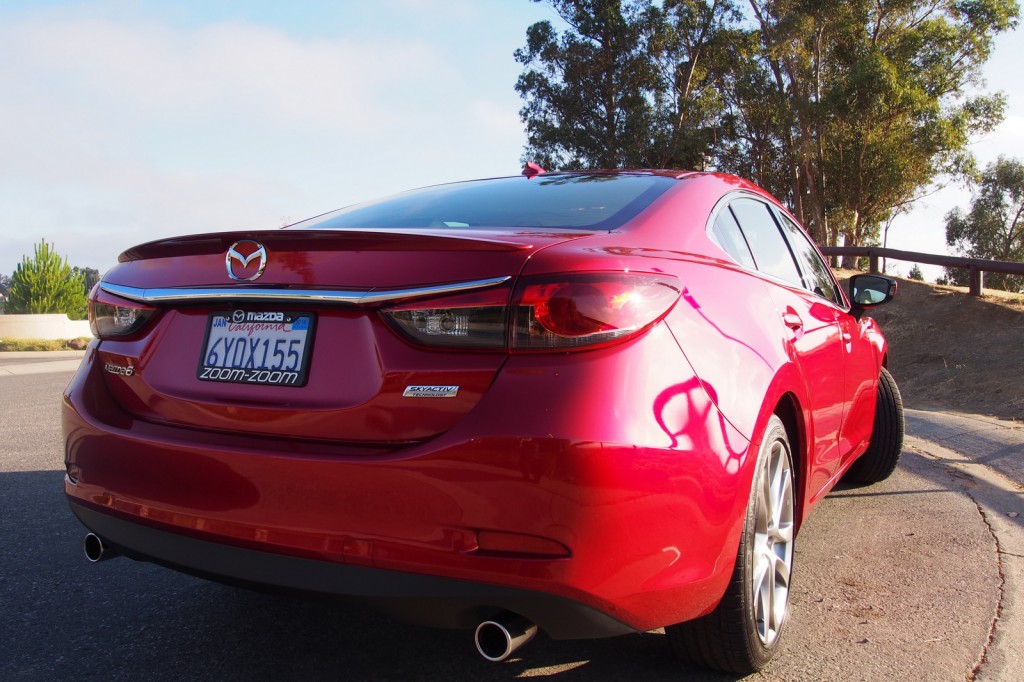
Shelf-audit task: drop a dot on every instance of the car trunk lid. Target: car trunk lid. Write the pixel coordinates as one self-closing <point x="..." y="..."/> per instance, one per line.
<point x="361" y="382"/>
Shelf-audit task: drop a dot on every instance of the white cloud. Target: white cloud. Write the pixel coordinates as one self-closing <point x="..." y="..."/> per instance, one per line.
<point x="224" y="69"/>
<point x="496" y="119"/>
<point x="120" y="131"/>
<point x="1006" y="140"/>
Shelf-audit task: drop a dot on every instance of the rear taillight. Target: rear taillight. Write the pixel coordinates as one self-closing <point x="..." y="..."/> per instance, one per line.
<point x="112" y="316"/>
<point x="585" y="311"/>
<point x="560" y="312"/>
<point x="475" y="320"/>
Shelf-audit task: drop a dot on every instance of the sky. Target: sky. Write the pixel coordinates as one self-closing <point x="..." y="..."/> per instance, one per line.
<point x="123" y="121"/>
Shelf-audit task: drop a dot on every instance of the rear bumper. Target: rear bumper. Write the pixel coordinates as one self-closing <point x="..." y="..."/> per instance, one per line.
<point x="586" y="521"/>
<point x="424" y="599"/>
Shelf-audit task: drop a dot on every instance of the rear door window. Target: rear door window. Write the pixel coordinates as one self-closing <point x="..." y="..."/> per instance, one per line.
<point x="817" y="276"/>
<point x="770" y="250"/>
<point x="726" y="233"/>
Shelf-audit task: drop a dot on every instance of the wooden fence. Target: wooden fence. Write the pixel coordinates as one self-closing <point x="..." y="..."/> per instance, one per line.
<point x="976" y="266"/>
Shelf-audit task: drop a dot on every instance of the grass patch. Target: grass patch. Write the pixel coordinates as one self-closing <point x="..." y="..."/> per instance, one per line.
<point x="43" y="344"/>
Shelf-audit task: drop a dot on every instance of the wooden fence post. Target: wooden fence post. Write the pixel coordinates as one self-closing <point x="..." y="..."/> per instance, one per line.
<point x="977" y="281"/>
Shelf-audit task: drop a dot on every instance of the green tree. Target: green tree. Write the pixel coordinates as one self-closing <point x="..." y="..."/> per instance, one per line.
<point x="91" y="276"/>
<point x="915" y="273"/>
<point x="693" y="45"/>
<point x="5" y="285"/>
<point x="846" y="110"/>
<point x="892" y="109"/>
<point x="994" y="227"/>
<point x="627" y="84"/>
<point x="586" y="89"/>
<point x="46" y="284"/>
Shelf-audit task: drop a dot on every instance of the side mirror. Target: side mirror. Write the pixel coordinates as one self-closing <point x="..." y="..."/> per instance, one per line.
<point x="868" y="291"/>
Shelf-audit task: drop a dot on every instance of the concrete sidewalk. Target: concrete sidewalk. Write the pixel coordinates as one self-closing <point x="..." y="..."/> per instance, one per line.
<point x="18" y="363"/>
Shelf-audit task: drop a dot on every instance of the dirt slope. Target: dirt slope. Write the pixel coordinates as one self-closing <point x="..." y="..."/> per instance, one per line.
<point x="953" y="351"/>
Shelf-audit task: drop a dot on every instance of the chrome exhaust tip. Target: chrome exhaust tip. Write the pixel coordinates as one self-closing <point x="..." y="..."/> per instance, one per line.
<point x="499" y="638"/>
<point x="95" y="549"/>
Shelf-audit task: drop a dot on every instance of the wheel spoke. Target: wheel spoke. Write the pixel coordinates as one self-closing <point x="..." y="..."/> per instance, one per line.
<point x="763" y="510"/>
<point x="780" y="490"/>
<point x="771" y="620"/>
<point x="782" y="523"/>
<point x="782" y="571"/>
<point x="781" y="593"/>
<point x="784" y="534"/>
<point x="762" y="567"/>
<point x="762" y="593"/>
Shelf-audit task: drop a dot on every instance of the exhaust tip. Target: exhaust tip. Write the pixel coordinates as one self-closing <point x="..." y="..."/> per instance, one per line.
<point x="499" y="638"/>
<point x="95" y="549"/>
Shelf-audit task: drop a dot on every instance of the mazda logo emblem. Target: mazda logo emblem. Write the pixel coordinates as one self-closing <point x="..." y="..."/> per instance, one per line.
<point x="246" y="260"/>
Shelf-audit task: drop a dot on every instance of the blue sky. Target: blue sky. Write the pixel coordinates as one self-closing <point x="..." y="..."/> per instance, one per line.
<point x="123" y="121"/>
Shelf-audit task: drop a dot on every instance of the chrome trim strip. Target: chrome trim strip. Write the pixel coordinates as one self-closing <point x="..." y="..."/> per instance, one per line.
<point x="329" y="296"/>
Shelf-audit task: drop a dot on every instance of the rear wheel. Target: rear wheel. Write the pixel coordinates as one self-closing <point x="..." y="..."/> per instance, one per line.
<point x="886" y="445"/>
<point x="742" y="633"/>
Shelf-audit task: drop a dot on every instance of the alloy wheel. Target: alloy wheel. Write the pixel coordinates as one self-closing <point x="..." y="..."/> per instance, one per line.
<point x="773" y="543"/>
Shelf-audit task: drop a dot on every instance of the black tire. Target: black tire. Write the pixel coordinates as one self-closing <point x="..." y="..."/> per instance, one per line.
<point x="886" y="445"/>
<point x="736" y="637"/>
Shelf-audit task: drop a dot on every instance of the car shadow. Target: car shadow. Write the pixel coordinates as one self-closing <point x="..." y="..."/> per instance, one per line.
<point x="122" y="619"/>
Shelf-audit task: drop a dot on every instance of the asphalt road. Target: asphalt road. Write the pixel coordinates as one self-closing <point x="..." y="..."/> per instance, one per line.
<point x="915" y="578"/>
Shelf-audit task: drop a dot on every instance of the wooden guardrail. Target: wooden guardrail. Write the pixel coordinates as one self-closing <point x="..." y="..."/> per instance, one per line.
<point x="977" y="266"/>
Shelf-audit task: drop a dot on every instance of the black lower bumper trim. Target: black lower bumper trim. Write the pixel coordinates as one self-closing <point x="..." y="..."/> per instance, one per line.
<point x="417" y="598"/>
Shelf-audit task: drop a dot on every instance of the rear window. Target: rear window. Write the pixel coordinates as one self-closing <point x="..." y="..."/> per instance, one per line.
<point x="551" y="201"/>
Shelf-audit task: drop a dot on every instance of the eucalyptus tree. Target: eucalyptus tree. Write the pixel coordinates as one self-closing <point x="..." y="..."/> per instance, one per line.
<point x="882" y="100"/>
<point x="846" y="109"/>
<point x="993" y="228"/>
<point x="629" y="84"/>
<point x="586" y="88"/>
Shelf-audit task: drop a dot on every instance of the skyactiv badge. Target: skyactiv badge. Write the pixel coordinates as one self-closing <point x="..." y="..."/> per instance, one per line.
<point x="430" y="392"/>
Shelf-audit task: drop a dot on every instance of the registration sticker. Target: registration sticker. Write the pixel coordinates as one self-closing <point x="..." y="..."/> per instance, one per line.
<point x="268" y="348"/>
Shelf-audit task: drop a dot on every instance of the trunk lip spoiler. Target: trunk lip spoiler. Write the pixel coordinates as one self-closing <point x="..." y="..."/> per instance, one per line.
<point x="341" y="297"/>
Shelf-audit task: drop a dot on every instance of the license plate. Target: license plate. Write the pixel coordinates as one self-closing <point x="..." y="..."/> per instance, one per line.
<point x="257" y="347"/>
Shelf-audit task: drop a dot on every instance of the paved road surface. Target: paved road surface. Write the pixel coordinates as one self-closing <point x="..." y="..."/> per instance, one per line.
<point x="986" y="456"/>
<point x="995" y="443"/>
<point x="914" y="578"/>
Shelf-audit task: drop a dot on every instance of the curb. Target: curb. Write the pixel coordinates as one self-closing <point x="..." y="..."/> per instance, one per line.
<point x="40" y="354"/>
<point x="13" y="363"/>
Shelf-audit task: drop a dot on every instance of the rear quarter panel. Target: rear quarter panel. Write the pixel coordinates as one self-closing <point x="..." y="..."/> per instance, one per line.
<point x="725" y="321"/>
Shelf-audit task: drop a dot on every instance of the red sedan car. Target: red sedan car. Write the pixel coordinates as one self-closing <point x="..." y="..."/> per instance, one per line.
<point x="594" y="403"/>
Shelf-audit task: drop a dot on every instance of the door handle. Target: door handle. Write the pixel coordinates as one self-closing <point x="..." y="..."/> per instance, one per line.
<point x="792" y="320"/>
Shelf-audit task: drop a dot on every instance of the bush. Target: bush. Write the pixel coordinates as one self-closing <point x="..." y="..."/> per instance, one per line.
<point x="7" y="345"/>
<point x="46" y="284"/>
